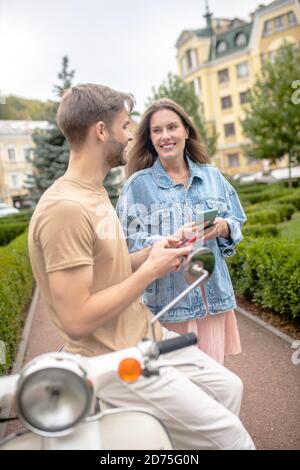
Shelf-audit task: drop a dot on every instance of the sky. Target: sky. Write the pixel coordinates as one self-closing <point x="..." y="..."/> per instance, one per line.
<point x="126" y="44"/>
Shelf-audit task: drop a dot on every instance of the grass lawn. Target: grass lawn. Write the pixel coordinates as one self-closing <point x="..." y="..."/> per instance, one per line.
<point x="290" y="229"/>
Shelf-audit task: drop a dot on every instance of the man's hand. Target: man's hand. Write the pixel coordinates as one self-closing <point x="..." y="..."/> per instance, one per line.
<point x="164" y="258"/>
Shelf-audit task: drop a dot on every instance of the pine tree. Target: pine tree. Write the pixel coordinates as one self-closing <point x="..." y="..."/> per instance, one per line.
<point x="112" y="185"/>
<point x="51" y="152"/>
<point x="182" y="93"/>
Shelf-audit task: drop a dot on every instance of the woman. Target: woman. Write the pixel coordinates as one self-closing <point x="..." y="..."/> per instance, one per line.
<point x="171" y="181"/>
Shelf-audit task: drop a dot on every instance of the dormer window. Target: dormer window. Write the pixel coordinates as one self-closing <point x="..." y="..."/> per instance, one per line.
<point x="240" y="39"/>
<point x="221" y="46"/>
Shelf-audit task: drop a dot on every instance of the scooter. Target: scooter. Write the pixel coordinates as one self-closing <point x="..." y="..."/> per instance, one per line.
<point x="56" y="394"/>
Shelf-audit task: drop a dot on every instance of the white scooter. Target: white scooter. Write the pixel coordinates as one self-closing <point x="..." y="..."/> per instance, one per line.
<point x="56" y="394"/>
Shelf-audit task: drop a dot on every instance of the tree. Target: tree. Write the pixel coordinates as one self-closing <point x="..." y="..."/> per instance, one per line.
<point x="112" y="184"/>
<point x="177" y="90"/>
<point x="51" y="152"/>
<point x="272" y="116"/>
<point x="17" y="108"/>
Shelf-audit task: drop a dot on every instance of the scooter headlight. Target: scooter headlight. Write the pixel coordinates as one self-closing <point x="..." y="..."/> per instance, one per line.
<point x="53" y="395"/>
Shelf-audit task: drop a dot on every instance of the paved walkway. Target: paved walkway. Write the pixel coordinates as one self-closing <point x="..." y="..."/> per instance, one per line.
<point x="270" y="411"/>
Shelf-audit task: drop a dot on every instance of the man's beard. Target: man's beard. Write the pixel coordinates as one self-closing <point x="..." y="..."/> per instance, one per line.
<point x="116" y="153"/>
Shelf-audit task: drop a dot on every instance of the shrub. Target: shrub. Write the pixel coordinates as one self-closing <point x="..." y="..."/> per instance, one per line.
<point x="250" y="188"/>
<point x="291" y="199"/>
<point x="261" y="231"/>
<point x="285" y="210"/>
<point x="16" y="218"/>
<point x="10" y="231"/>
<point x="267" y="271"/>
<point x="267" y="216"/>
<point x="16" y="285"/>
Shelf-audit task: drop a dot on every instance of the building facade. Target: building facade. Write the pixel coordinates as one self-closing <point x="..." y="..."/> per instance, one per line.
<point x="222" y="62"/>
<point x="16" y="146"/>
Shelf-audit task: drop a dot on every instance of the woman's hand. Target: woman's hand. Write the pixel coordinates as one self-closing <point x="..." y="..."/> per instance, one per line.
<point x="219" y="228"/>
<point x="185" y="231"/>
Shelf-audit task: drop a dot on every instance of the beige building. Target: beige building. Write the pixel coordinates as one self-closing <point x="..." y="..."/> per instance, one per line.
<point x="222" y="61"/>
<point x="15" y="147"/>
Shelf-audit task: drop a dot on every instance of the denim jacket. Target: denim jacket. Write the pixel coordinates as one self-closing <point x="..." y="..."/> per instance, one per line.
<point x="152" y="205"/>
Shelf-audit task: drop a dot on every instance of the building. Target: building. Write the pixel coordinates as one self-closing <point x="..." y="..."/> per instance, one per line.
<point x="222" y="61"/>
<point x="16" y="145"/>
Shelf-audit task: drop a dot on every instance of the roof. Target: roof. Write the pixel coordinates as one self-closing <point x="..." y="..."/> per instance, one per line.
<point x="21" y="127"/>
<point x="229" y="38"/>
<point x="203" y="32"/>
<point x="228" y="35"/>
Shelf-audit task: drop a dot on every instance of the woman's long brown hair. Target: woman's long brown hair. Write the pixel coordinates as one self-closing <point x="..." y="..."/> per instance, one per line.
<point x="142" y="153"/>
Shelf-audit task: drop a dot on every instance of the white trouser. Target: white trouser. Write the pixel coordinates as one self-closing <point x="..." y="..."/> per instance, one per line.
<point x="199" y="406"/>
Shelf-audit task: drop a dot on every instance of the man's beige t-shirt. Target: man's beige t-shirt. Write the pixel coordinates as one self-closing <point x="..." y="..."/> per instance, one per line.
<point x="75" y="224"/>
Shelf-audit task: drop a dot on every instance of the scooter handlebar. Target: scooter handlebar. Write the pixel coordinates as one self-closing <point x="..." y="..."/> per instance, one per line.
<point x="173" y="344"/>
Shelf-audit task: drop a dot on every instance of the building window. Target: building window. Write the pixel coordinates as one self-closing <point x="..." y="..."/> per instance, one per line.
<point x="197" y="86"/>
<point x="201" y="109"/>
<point x="240" y="39"/>
<point x="252" y="161"/>
<point x="11" y="154"/>
<point x="191" y="59"/>
<point x="272" y="56"/>
<point x="229" y="129"/>
<point x="184" y="66"/>
<point x="242" y="69"/>
<point x="268" y="28"/>
<point x="223" y="76"/>
<point x="292" y="20"/>
<point x="221" y="46"/>
<point x="244" y="97"/>
<point x="279" y="23"/>
<point x="263" y="58"/>
<point x="14" y="182"/>
<point x="226" y="102"/>
<point x="233" y="160"/>
<point x="27" y="154"/>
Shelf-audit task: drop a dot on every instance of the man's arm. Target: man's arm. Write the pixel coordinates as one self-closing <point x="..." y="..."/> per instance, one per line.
<point x="82" y="312"/>
<point x="139" y="257"/>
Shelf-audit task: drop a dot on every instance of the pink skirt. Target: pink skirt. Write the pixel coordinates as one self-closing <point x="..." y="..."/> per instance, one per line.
<point x="218" y="335"/>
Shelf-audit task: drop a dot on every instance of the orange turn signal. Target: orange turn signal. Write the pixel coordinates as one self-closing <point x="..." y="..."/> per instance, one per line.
<point x="129" y="369"/>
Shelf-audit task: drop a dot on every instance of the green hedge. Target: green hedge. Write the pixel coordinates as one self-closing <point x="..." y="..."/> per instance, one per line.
<point x="261" y="230"/>
<point x="10" y="231"/>
<point x="284" y="210"/>
<point x="267" y="271"/>
<point x="267" y="216"/>
<point x="16" y="218"/>
<point x="16" y="287"/>
<point x="290" y="199"/>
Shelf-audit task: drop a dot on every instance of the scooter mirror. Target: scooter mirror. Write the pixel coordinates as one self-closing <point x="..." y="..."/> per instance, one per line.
<point x="198" y="261"/>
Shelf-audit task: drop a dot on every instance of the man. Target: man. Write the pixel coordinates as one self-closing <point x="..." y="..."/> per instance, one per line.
<point x="91" y="284"/>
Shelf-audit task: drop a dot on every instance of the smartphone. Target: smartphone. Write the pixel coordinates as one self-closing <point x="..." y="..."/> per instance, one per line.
<point x="205" y="216"/>
<point x="201" y="217"/>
